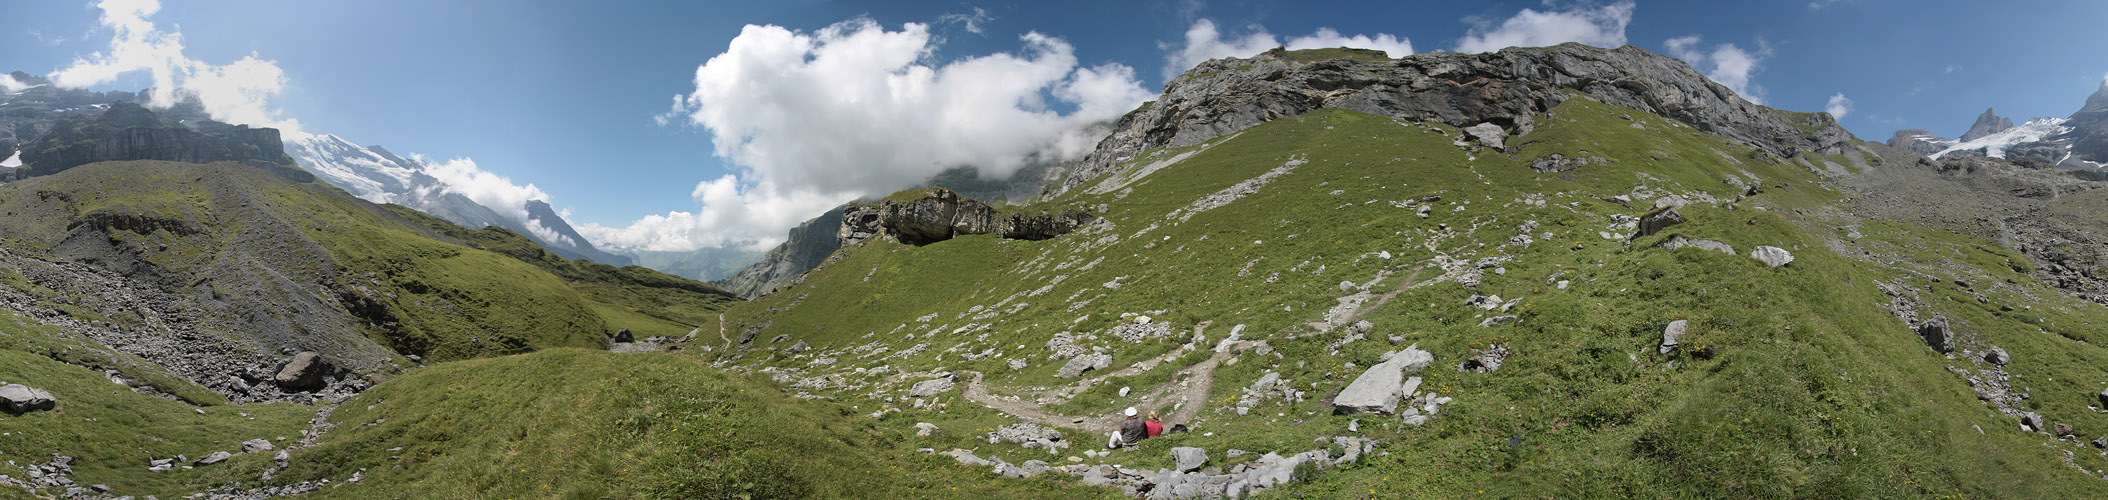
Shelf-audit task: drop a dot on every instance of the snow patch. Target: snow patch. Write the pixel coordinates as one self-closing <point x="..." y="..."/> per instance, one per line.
<point x="1995" y="145"/>
<point x="13" y="161"/>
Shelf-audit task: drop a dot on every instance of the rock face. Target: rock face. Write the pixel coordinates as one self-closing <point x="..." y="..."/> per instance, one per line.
<point x="1987" y="124"/>
<point x="1506" y="88"/>
<point x="808" y="245"/>
<point x="1936" y="334"/>
<point x="19" y="399"/>
<point x="941" y="214"/>
<point x="1378" y="389"/>
<point x="129" y="131"/>
<point x="306" y="371"/>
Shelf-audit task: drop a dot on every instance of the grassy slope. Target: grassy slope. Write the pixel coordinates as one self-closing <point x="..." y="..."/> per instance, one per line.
<point x="112" y="432"/>
<point x="569" y="423"/>
<point x="645" y="301"/>
<point x="451" y="302"/>
<point x="1812" y="390"/>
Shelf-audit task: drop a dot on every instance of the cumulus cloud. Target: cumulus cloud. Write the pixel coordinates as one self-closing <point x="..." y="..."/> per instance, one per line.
<point x="462" y="175"/>
<point x="237" y="92"/>
<point x="1839" y="105"/>
<point x="1725" y="63"/>
<point x="810" y="120"/>
<point x="1204" y="41"/>
<point x="1600" y="26"/>
<point x="8" y="83"/>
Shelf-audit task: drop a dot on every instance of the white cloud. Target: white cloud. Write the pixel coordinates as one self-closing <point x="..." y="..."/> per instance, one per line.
<point x="1725" y="63"/>
<point x="8" y="83"/>
<point x="1951" y="68"/>
<point x="969" y="22"/>
<point x="814" y="119"/>
<point x="237" y="92"/>
<point x="1824" y="4"/>
<point x="1601" y="26"/>
<point x="462" y="175"/>
<point x="1204" y="41"/>
<point x="1839" y="106"/>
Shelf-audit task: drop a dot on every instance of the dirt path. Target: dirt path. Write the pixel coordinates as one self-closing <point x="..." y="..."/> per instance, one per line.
<point x="721" y="333"/>
<point x="1187" y="391"/>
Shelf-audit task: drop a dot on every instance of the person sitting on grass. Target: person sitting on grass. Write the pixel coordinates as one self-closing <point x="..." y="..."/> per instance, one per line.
<point x="1131" y="431"/>
<point x="1155" y="424"/>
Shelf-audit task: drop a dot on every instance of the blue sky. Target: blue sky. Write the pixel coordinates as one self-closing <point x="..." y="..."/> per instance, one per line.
<point x="579" y="99"/>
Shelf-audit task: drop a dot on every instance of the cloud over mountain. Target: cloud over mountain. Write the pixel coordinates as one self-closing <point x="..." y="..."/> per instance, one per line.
<point x="1725" y="63"/>
<point x="1204" y="41"/>
<point x="813" y="119"/>
<point x="1600" y="26"/>
<point x="236" y="92"/>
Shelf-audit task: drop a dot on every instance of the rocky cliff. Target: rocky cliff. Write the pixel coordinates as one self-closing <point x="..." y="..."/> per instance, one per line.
<point x="128" y="131"/>
<point x="808" y="245"/>
<point x="1919" y="141"/>
<point x="1987" y="124"/>
<point x="1508" y="88"/>
<point x="940" y="214"/>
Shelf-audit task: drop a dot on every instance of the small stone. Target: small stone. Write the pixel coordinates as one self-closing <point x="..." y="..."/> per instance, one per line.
<point x="2062" y="429"/>
<point x="932" y="387"/>
<point x="924" y="428"/>
<point x="1124" y="390"/>
<point x="1497" y="321"/>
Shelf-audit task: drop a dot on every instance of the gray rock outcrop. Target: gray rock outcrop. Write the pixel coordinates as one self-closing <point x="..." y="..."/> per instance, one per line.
<point x="1937" y="335"/>
<point x="1656" y="222"/>
<point x="1379" y="389"/>
<point x="940" y="214"/>
<point x="19" y="399"/>
<point x="1771" y="256"/>
<point x="932" y="387"/>
<point x="1087" y="362"/>
<point x="128" y="131"/>
<point x="1188" y="459"/>
<point x="1510" y="89"/>
<point x="306" y="371"/>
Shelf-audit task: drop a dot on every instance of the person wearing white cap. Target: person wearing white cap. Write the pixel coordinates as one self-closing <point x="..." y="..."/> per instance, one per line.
<point x="1131" y="430"/>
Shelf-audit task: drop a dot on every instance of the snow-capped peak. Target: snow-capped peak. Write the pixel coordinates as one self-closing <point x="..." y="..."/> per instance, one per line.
<point x="1995" y="145"/>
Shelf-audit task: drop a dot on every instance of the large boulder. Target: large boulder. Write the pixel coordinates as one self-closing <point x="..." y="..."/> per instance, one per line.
<point x="1378" y="389"/>
<point x="19" y="399"/>
<point x="1656" y="222"/>
<point x="931" y="387"/>
<point x="1772" y="256"/>
<point x="1937" y="335"/>
<point x="1188" y="459"/>
<point x="305" y="372"/>
<point x="1076" y="366"/>
<point x="215" y="457"/>
<point x="256" y="445"/>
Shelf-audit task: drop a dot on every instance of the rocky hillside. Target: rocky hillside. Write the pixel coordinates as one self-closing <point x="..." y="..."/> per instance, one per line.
<point x="1629" y="284"/>
<point x="805" y="247"/>
<point x="1494" y="94"/>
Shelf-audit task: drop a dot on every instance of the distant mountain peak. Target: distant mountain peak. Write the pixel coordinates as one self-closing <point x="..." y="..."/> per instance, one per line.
<point x="1987" y="124"/>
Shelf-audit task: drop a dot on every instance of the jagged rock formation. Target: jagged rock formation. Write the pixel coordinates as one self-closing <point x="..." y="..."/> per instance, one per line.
<point x="808" y="245"/>
<point x="1506" y="88"/>
<point x="942" y="214"/>
<point x="128" y="131"/>
<point x="1987" y="124"/>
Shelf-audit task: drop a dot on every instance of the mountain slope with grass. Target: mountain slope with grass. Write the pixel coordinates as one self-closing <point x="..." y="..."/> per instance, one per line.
<point x="1241" y="282"/>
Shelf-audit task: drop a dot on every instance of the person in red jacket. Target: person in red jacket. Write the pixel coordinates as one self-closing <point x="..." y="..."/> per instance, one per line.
<point x="1155" y="425"/>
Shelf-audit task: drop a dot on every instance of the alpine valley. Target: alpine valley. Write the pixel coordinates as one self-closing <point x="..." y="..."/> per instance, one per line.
<point x="1537" y="272"/>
